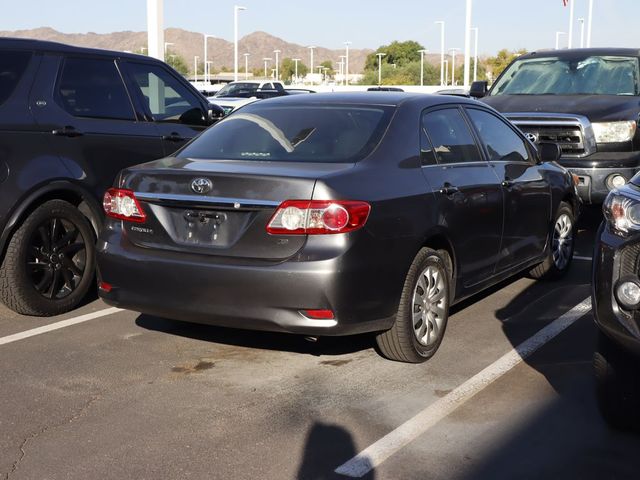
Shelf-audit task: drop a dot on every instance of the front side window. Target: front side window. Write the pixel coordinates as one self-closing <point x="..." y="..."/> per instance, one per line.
<point x="300" y="133"/>
<point x="93" y="88"/>
<point x="12" y="66"/>
<point x="502" y="143"/>
<point x="450" y="136"/>
<point x="593" y="75"/>
<point x="168" y="99"/>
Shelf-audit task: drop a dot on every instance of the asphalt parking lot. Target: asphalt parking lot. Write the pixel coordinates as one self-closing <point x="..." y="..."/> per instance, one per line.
<point x="130" y="396"/>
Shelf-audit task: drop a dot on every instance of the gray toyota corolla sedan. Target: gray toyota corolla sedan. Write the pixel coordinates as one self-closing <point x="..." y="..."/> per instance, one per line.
<point x="335" y="214"/>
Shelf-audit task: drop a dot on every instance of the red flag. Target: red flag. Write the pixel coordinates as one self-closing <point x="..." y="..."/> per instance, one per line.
<point x="565" y="2"/>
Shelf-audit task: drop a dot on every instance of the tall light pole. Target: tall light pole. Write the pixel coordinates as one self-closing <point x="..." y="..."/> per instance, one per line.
<point x="446" y="72"/>
<point x="346" y="67"/>
<point x="475" y="54"/>
<point x="572" y="5"/>
<point x="155" y="28"/>
<point x="142" y="49"/>
<point x="206" y="64"/>
<point x="453" y="64"/>
<point x="342" y="59"/>
<point x="236" y="9"/>
<point x="589" y="24"/>
<point x="265" y="60"/>
<point x="296" y="60"/>
<point x="246" y="66"/>
<point x="380" y="55"/>
<point x="166" y="44"/>
<point x="207" y="67"/>
<point x="311" y="50"/>
<point x="467" y="44"/>
<point x="422" y="52"/>
<point x="442" y="79"/>
<point x="581" y="22"/>
<point x="277" y="52"/>
<point x="195" y="68"/>
<point x="558" y="35"/>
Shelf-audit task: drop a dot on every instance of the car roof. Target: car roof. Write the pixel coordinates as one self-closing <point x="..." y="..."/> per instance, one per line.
<point x="394" y="99"/>
<point x="583" y="52"/>
<point x="8" y="43"/>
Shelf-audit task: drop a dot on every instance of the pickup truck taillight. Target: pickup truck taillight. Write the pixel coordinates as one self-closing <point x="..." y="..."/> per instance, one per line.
<point x="318" y="217"/>
<point x="123" y="205"/>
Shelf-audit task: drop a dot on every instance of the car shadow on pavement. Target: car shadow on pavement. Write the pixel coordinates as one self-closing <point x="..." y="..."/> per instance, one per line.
<point x="563" y="435"/>
<point x="327" y="446"/>
<point x="285" y="342"/>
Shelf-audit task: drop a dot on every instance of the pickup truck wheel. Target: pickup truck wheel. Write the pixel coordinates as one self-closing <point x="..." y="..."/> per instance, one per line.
<point x="617" y="385"/>
<point x="560" y="253"/>
<point x="50" y="261"/>
<point x="422" y="316"/>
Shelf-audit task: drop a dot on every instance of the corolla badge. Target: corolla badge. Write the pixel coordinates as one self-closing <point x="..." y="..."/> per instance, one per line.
<point x="532" y="137"/>
<point x="201" y="185"/>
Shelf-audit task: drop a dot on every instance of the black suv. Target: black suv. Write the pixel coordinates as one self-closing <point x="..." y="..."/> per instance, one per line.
<point x="584" y="100"/>
<point x="70" y="119"/>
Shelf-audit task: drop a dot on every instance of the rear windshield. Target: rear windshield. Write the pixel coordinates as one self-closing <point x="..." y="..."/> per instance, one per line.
<point x="301" y="133"/>
<point x="593" y="75"/>
<point x="238" y="90"/>
<point x="12" y="66"/>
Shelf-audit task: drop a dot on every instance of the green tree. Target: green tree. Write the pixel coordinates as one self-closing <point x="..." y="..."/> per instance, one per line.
<point x="400" y="53"/>
<point x="288" y="69"/>
<point x="177" y="63"/>
<point x="328" y="65"/>
<point x="496" y="65"/>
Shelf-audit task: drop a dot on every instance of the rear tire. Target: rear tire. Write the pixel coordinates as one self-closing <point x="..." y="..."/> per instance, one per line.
<point x="617" y="385"/>
<point x="49" y="264"/>
<point x="560" y="254"/>
<point x="422" y="316"/>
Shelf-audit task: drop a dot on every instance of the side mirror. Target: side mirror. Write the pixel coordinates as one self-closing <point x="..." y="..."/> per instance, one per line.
<point x="549" y="152"/>
<point x="214" y="113"/>
<point x="479" y="89"/>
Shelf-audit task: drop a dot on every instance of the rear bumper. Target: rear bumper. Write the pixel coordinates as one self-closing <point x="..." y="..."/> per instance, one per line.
<point x="594" y="170"/>
<point x="249" y="295"/>
<point x="615" y="257"/>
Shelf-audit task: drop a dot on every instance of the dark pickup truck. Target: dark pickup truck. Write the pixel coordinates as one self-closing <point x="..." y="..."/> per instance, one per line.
<point x="587" y="101"/>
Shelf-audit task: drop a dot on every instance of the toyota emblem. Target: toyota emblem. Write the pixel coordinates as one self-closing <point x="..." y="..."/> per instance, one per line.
<point x="532" y="137"/>
<point x="201" y="185"/>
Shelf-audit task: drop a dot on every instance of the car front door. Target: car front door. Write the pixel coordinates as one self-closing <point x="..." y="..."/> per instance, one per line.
<point x="527" y="193"/>
<point x="178" y="113"/>
<point x="82" y="105"/>
<point x="468" y="193"/>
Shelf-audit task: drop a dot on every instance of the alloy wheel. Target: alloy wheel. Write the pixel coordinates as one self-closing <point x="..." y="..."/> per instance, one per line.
<point x="562" y="241"/>
<point x="429" y="306"/>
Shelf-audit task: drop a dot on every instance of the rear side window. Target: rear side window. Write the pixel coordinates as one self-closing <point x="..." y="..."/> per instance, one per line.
<point x="502" y="143"/>
<point x="300" y="133"/>
<point x="450" y="136"/>
<point x="12" y="66"/>
<point x="93" y="88"/>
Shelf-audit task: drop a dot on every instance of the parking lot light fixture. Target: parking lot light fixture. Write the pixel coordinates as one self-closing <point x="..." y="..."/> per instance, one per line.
<point x="266" y="60"/>
<point x="296" y="60"/>
<point x="206" y="61"/>
<point x="475" y="54"/>
<point x="558" y="35"/>
<point x="236" y="9"/>
<point x="380" y="55"/>
<point x="589" y="23"/>
<point x="246" y="66"/>
<point x="446" y="72"/>
<point x="346" y="65"/>
<point x="453" y="64"/>
<point x="581" y="22"/>
<point x="311" y="53"/>
<point x="422" y="52"/>
<point x="166" y="44"/>
<point x="277" y="52"/>
<point x="467" y="44"/>
<point x="572" y="5"/>
<point x="195" y="68"/>
<point x="442" y="60"/>
<point x="342" y="60"/>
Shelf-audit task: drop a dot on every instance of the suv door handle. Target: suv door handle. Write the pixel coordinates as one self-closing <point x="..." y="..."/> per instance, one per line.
<point x="173" y="137"/>
<point x="507" y="183"/>
<point x="448" y="189"/>
<point x="66" y="131"/>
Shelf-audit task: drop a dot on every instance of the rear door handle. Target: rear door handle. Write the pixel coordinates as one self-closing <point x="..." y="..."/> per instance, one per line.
<point x="506" y="183"/>
<point x="66" y="131"/>
<point x="173" y="137"/>
<point x="449" y="189"/>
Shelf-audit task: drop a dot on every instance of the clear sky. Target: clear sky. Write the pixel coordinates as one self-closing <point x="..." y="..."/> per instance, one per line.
<point x="512" y="24"/>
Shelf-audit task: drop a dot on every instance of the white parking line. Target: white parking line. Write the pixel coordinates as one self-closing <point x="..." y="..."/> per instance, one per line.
<point x="58" y="325"/>
<point x="378" y="452"/>
<point x="586" y="259"/>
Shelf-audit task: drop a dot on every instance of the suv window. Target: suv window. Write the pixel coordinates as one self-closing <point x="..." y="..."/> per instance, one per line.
<point x="93" y="88"/>
<point x="502" y="143"/>
<point x="12" y="66"/>
<point x="450" y="136"/>
<point x="166" y="97"/>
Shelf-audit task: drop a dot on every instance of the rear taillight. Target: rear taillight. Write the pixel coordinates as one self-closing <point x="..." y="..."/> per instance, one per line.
<point x="317" y="217"/>
<point x="123" y="205"/>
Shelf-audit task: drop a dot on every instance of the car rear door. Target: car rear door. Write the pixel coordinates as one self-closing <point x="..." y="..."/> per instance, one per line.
<point x="178" y="113"/>
<point x="527" y="193"/>
<point x="467" y="191"/>
<point x="82" y="104"/>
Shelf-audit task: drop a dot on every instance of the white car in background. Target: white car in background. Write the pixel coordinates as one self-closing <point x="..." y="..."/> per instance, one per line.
<point x="237" y="94"/>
